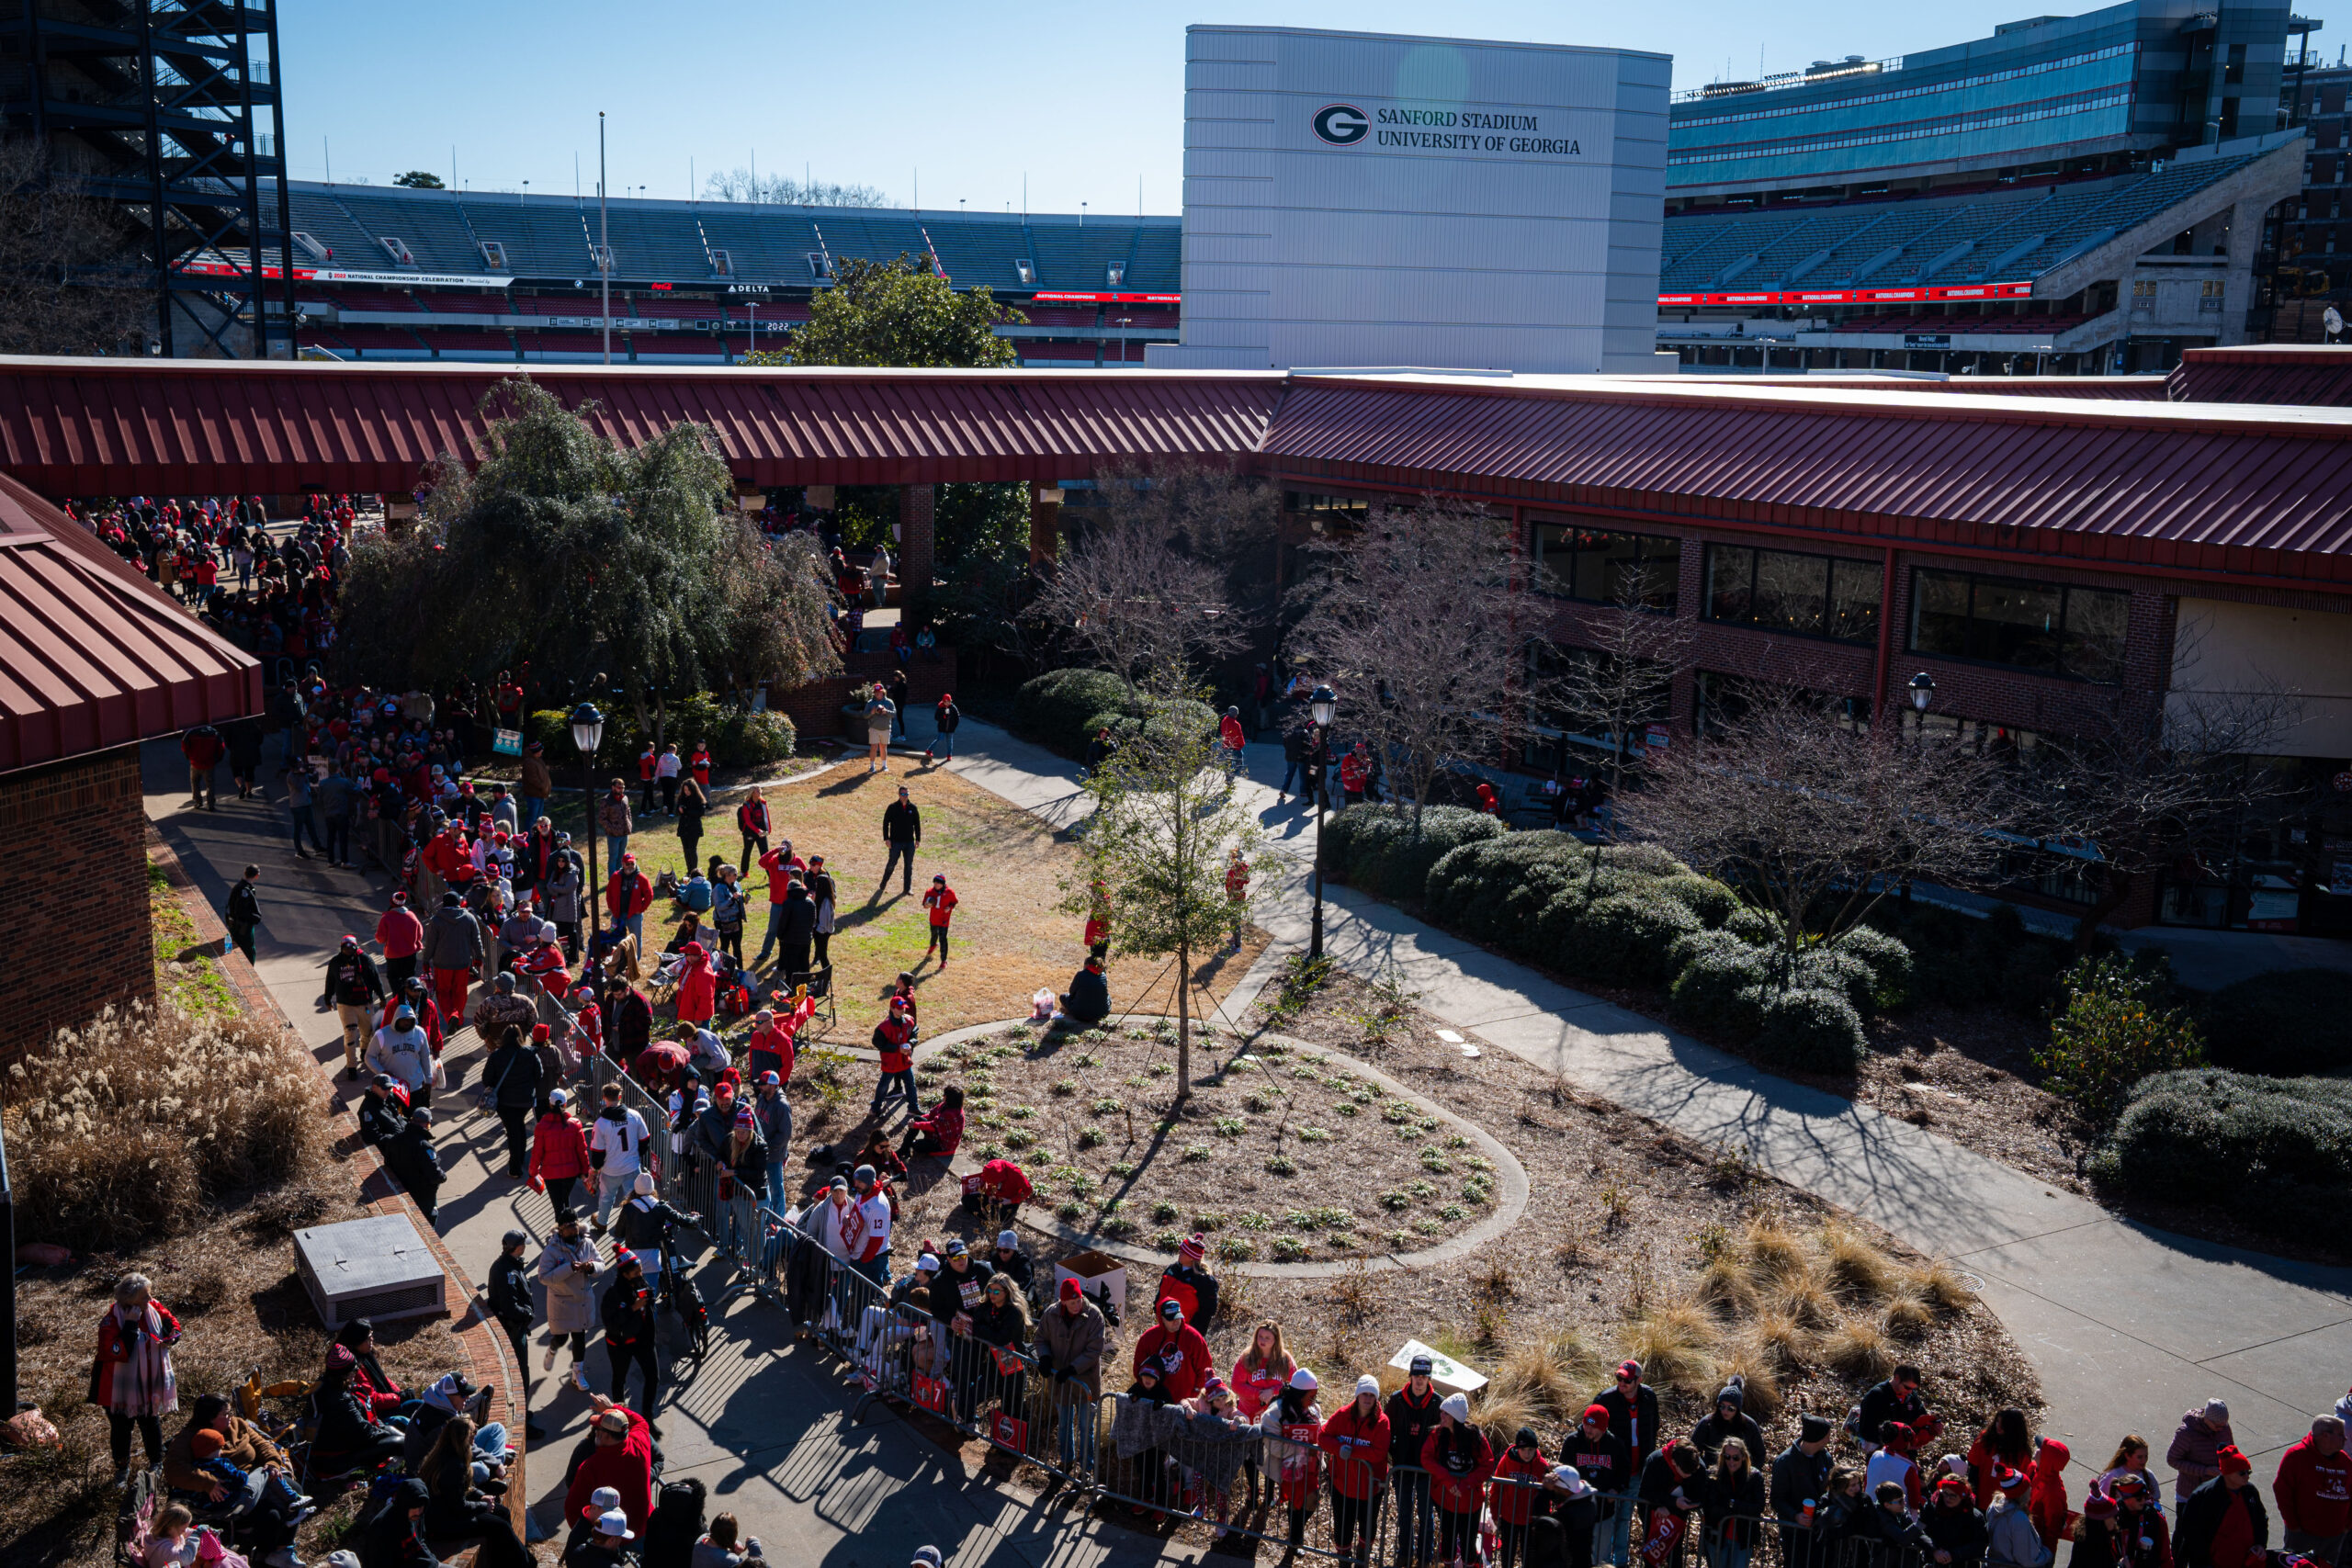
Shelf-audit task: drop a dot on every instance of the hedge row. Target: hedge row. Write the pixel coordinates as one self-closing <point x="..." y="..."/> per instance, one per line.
<point x="2287" y="1023"/>
<point x="738" y="738"/>
<point x="1374" y="847"/>
<point x="2205" y="1135"/>
<point x="1056" y="709"/>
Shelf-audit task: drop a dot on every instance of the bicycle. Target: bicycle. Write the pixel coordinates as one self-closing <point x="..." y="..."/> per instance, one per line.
<point x="684" y="1298"/>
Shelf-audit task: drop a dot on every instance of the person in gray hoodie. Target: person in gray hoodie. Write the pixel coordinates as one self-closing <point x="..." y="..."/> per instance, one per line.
<point x="559" y="893"/>
<point x="453" y="949"/>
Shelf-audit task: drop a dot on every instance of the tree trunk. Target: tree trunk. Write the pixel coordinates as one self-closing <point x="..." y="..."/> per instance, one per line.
<point x="1183" y="1023"/>
<point x="2119" y="890"/>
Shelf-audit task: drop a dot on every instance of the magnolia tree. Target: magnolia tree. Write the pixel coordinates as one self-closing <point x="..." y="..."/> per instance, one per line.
<point x="1165" y="824"/>
<point x="1417" y="622"/>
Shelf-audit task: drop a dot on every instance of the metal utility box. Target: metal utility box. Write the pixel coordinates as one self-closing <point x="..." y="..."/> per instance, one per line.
<point x="377" y="1268"/>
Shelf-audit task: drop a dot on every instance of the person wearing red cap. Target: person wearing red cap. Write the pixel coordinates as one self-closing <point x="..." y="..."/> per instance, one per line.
<point x="2011" y="1540"/>
<point x="2124" y="1529"/>
<point x="894" y="1039"/>
<point x="1177" y="1349"/>
<point x="1632" y="1413"/>
<point x="2222" y="1523"/>
<point x="402" y="936"/>
<point x="1894" y="1462"/>
<point x="620" y="1456"/>
<point x="627" y="895"/>
<point x="2311" y="1488"/>
<point x="1189" y="1282"/>
<point x="1070" y="1355"/>
<point x="1954" y="1523"/>
<point x="1601" y="1458"/>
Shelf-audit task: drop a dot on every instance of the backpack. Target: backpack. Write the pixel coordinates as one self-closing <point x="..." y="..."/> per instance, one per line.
<point x="676" y="1524"/>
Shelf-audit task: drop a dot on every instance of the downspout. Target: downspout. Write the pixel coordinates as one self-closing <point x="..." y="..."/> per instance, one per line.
<point x="1885" y="642"/>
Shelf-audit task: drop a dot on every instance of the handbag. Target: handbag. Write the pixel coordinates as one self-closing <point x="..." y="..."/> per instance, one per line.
<point x="486" y="1096"/>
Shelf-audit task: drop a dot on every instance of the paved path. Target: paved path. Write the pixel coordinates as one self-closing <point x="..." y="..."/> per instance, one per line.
<point x="763" y="1424"/>
<point x="2128" y="1326"/>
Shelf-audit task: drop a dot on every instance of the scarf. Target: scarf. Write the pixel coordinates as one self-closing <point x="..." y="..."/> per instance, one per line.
<point x="143" y="1384"/>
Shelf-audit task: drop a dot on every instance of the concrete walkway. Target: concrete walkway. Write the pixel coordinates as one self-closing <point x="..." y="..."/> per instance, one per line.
<point x="764" y="1424"/>
<point x="2128" y="1326"/>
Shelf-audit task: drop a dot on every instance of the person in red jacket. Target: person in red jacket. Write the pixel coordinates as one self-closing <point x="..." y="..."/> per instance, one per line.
<point x="894" y="1038"/>
<point x="998" y="1190"/>
<point x="1177" y="1348"/>
<point x="627" y="895"/>
<point x="939" y="1134"/>
<point x="1356" y="770"/>
<point x="402" y="936"/>
<point x="1518" y="1473"/>
<point x="941" y="901"/>
<point x="203" y="749"/>
<point x="770" y="1048"/>
<point x="2048" y="1509"/>
<point x="2313" y="1489"/>
<point x="559" y="1151"/>
<point x="1459" y="1460"/>
<point x="622" y="1458"/>
<point x="1295" y="1422"/>
<point x="698" y="995"/>
<point x="1357" y="1441"/>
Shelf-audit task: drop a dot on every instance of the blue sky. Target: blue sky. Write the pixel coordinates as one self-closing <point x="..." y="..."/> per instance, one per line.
<point x="953" y="102"/>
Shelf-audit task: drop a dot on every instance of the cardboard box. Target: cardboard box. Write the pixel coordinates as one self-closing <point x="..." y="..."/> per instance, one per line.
<point x="1095" y="1273"/>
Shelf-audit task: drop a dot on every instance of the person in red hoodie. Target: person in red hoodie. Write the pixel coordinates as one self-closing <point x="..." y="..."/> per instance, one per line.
<point x="697" y="994"/>
<point x="2049" y="1505"/>
<point x="1356" y="1438"/>
<point x="1518" y="1474"/>
<point x="941" y="901"/>
<point x="627" y="895"/>
<point x="1459" y="1460"/>
<point x="402" y="936"/>
<point x="559" y="1151"/>
<point x="622" y="1458"/>
<point x="1177" y="1348"/>
<point x="2313" y="1490"/>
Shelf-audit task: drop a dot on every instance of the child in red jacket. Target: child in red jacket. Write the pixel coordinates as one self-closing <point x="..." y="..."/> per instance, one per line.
<point x="941" y="901"/>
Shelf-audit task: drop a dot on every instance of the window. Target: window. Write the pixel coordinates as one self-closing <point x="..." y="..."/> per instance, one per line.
<point x="1722" y="699"/>
<point x="1328" y="511"/>
<point x="2076" y="632"/>
<point x="1607" y="569"/>
<point x="1553" y="734"/>
<point x="1778" y="591"/>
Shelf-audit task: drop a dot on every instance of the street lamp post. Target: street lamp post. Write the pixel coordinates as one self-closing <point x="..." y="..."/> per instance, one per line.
<point x="1322" y="703"/>
<point x="588" y="734"/>
<point x="1922" y="687"/>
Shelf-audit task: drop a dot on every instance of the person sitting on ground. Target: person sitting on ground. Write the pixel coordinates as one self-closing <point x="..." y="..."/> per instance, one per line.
<point x="998" y="1188"/>
<point x="461" y="1504"/>
<point x="939" y="1133"/>
<point x="1088" y="1000"/>
<point x="718" y="1549"/>
<point x="263" y="1503"/>
<point x="368" y="1378"/>
<point x="349" y="1439"/>
<point x="877" y="1153"/>
<point x="1188" y="1283"/>
<point x="393" y="1535"/>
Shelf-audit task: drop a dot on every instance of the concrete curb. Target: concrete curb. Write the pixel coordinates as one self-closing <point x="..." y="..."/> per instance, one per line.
<point x="1510" y="1206"/>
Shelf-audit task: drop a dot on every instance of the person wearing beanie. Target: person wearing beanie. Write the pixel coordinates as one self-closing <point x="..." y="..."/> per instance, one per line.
<point x="2314" y="1491"/>
<point x="1190" y="1284"/>
<point x="1355" y="1440"/>
<point x="1633" y="1412"/>
<point x="1459" y="1460"/>
<point x="2202" y="1434"/>
<point x="1412" y="1416"/>
<point x="2011" y="1540"/>
<point x="2124" y="1529"/>
<point x="1599" y="1455"/>
<point x="2222" y="1524"/>
<point x="559" y="1151"/>
<point x="1729" y="1420"/>
<point x="1006" y="1257"/>
<point x="1070" y="1339"/>
<point x="626" y="1311"/>
<point x="1177" y="1349"/>
<point x="1801" y="1486"/>
<point x="2049" y="1504"/>
<point x="1954" y="1523"/>
<point x="402" y="936"/>
<point x="1292" y="1424"/>
<point x="1518" y="1487"/>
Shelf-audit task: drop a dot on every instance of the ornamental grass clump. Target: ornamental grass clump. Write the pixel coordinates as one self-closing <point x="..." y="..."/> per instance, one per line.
<point x="129" y="1127"/>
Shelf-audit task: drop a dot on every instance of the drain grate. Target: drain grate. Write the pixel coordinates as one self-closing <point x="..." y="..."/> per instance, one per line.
<point x="1975" y="1282"/>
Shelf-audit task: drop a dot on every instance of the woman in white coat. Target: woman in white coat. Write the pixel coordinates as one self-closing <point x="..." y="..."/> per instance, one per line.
<point x="568" y="1269"/>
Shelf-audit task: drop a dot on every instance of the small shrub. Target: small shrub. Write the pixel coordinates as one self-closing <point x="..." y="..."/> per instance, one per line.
<point x="1230" y="1126"/>
<point x="1022" y="1112"/>
<point x="1086" y="1059"/>
<point x="1394" y="1201"/>
<point x="1720" y="985"/>
<point x="1859" y="1350"/>
<point x="1257" y="1102"/>
<point x="1397" y="1113"/>
<point x="1812" y="1032"/>
<point x="1411" y="1134"/>
<point x="1281" y="1164"/>
<point x="2116" y="1029"/>
<point x="1628" y="939"/>
<point x="1450" y="1212"/>
<point x="1106" y="1106"/>
<point x="1314" y="1134"/>
<point x="1288" y="1249"/>
<point x="1195" y="1153"/>
<point x="1374" y="848"/>
<point x="1119" y="1225"/>
<point x="1064" y="1087"/>
<point x="1090" y="1137"/>
<point x="1752" y="926"/>
<point x="1235" y="1248"/>
<point x="1888" y="960"/>
<point x="1158" y="1069"/>
<point x="1121" y="1170"/>
<point x="1018" y="1138"/>
<point x="1478" y="1190"/>
<point x="2205" y="1135"/>
<point x="1053" y="709"/>
<point x="1165" y="1240"/>
<point x="1420" y="1188"/>
<point x="1345" y="1107"/>
<point x="1834" y="969"/>
<point x="1069" y="1211"/>
<point x="1435" y="1162"/>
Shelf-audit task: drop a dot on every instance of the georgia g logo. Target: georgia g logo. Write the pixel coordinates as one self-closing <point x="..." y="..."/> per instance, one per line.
<point x="1342" y="125"/>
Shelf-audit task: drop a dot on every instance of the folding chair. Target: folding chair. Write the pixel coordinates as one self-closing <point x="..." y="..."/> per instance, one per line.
<point x="820" y="992"/>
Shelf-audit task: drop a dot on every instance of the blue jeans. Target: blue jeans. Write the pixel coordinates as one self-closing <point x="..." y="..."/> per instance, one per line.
<point x="634" y="926"/>
<point x="533" y="808"/>
<point x="305" y="819"/>
<point x="1077" y="1423"/>
<point x="946" y="743"/>
<point x="894" y="1084"/>
<point x="490" y="1445"/>
<point x="775" y="1199"/>
<point x="1292" y="770"/>
<point x="876" y="1269"/>
<point x="616" y="846"/>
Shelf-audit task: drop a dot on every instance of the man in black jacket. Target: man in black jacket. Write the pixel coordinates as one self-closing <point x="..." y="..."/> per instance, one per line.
<point x="902" y="832"/>
<point x="798" y="925"/>
<point x="1800" y="1482"/>
<point x="410" y="1158"/>
<point x="2203" y="1512"/>
<point x="1896" y="1399"/>
<point x="244" y="918"/>
<point x="1632" y="1413"/>
<point x="1089" y="996"/>
<point x="353" y="987"/>
<point x="1412" y="1416"/>
<point x="1730" y="1419"/>
<point x="1601" y="1457"/>
<point x="382" y="1112"/>
<point x="513" y="1075"/>
<point x="628" y="1332"/>
<point x="509" y="1294"/>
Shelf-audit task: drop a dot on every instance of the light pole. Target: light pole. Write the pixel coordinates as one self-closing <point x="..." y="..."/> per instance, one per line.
<point x="1922" y="687"/>
<point x="1322" y="703"/>
<point x="588" y="734"/>
<point x="603" y="242"/>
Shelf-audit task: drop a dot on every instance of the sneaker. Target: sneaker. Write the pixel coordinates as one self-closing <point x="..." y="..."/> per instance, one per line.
<point x="534" y="1431"/>
<point x="580" y="1376"/>
<point x="123" y="1477"/>
<point x="547" y="1364"/>
<point x="283" y="1558"/>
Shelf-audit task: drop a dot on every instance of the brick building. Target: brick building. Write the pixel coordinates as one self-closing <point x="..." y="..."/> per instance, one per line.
<point x="94" y="658"/>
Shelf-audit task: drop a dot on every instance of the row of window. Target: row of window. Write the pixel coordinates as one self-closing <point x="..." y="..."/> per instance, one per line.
<point x="2052" y="630"/>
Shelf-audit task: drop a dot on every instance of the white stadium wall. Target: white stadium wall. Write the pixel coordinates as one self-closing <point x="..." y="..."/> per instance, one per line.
<point x="1365" y="199"/>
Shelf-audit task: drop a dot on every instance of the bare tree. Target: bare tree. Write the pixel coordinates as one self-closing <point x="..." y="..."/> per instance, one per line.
<point x="778" y="190"/>
<point x="1143" y="585"/>
<point x="70" y="282"/>
<point x="1813" y="819"/>
<point x="2154" y="780"/>
<point x="772" y="621"/>
<point x="1416" y="622"/>
<point x="1617" y="682"/>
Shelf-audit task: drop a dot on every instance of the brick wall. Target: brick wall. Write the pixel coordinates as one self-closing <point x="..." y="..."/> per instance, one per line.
<point x="815" y="709"/>
<point x="917" y="552"/>
<point x="74" y="914"/>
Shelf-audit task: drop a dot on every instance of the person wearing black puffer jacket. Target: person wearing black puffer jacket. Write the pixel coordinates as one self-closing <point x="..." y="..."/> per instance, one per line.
<point x="1953" y="1526"/>
<point x="1729" y="1419"/>
<point x="1412" y="1415"/>
<point x="2223" y="1521"/>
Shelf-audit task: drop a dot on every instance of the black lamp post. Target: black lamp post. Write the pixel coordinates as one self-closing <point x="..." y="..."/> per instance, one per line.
<point x="1322" y="703"/>
<point x="1923" y="692"/>
<point x="588" y="734"/>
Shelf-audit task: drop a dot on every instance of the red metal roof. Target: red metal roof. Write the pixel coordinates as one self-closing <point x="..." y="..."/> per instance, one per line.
<point x="2307" y="374"/>
<point x="2168" y="486"/>
<point x="99" y="426"/>
<point x="93" y="655"/>
<point x="2109" y="389"/>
